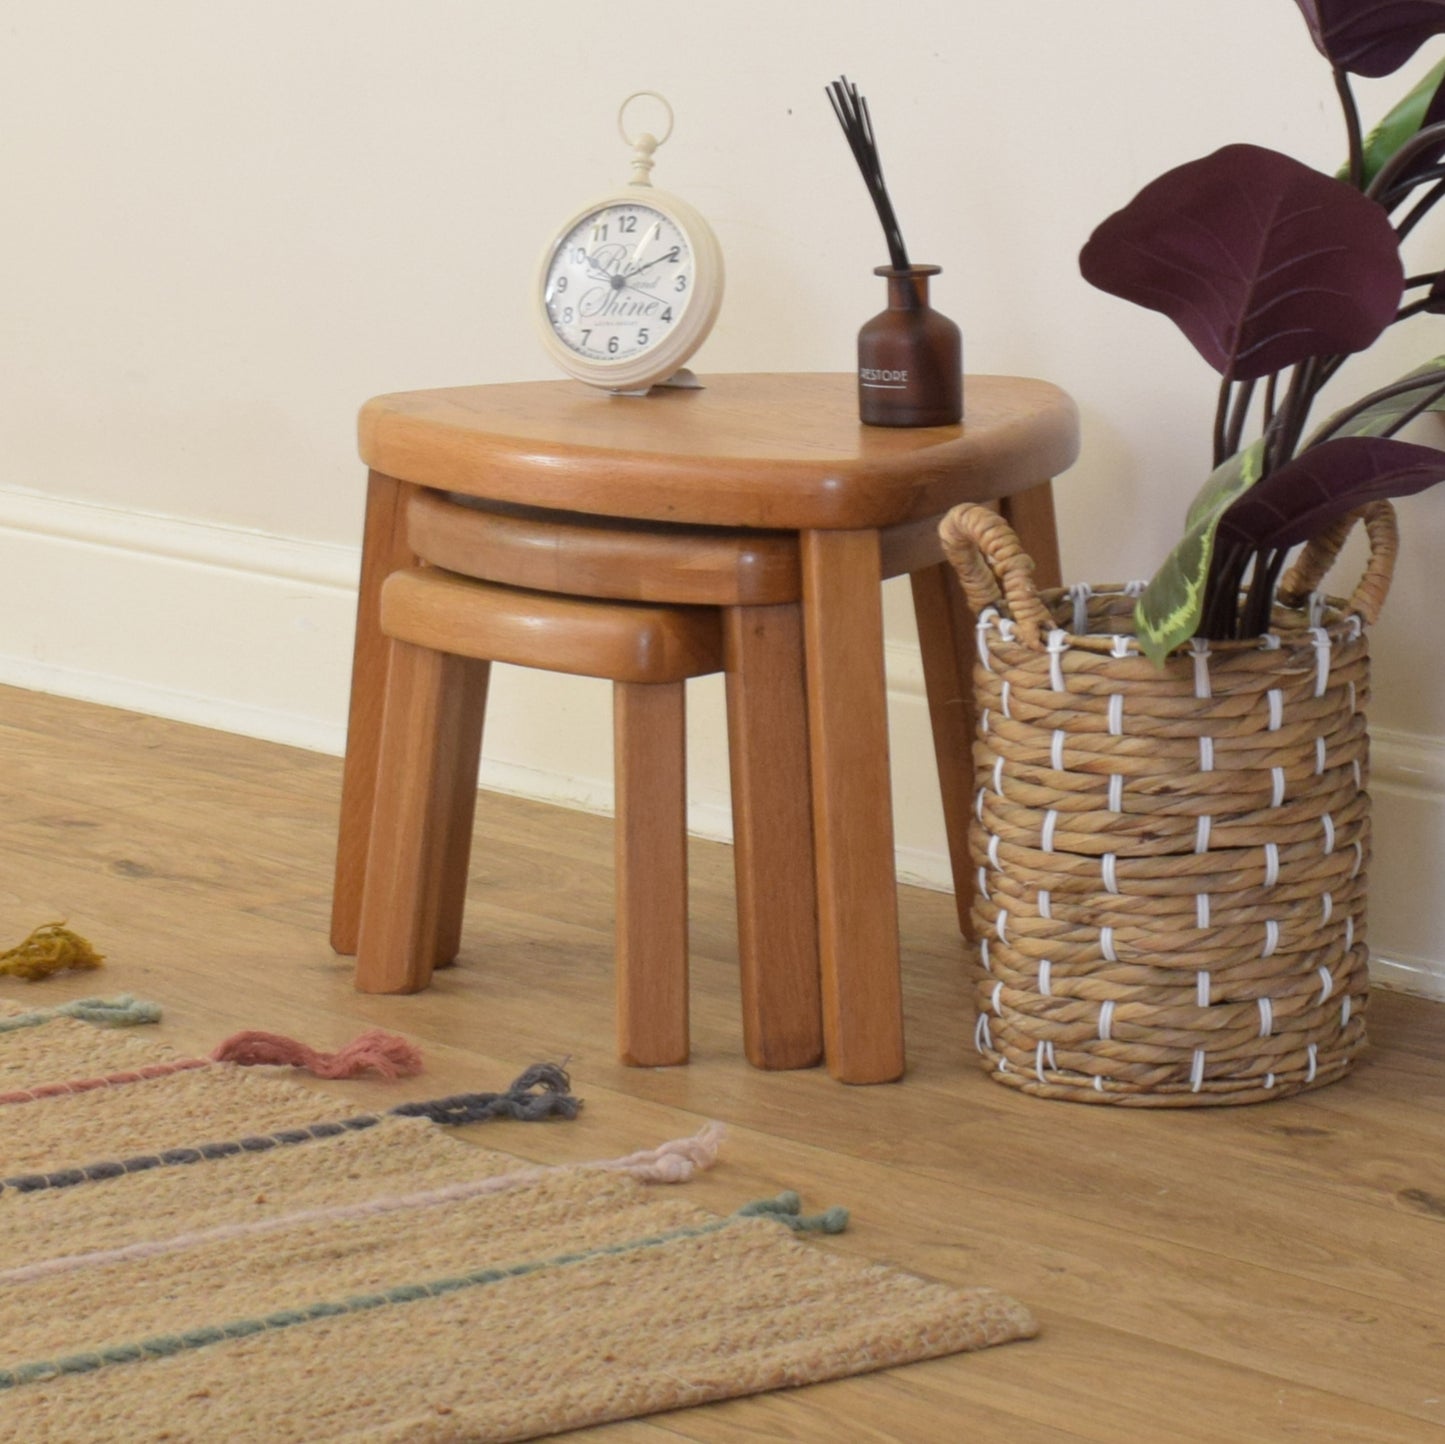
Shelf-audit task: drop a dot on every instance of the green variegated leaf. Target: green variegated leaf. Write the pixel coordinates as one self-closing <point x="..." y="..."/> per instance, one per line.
<point x="1169" y="609"/>
<point x="1377" y="418"/>
<point x="1404" y="121"/>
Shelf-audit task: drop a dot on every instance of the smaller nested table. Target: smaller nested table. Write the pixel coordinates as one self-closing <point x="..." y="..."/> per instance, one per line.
<point x="782" y="453"/>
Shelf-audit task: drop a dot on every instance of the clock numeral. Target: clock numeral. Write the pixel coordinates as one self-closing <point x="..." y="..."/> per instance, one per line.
<point x="627" y="225"/>
<point x="642" y="336"/>
<point x="561" y="283"/>
<point x="681" y="283"/>
<point x="579" y="257"/>
<point x="586" y="337"/>
<point x="599" y="233"/>
<point x="667" y="313"/>
<point x="672" y="255"/>
<point x="566" y="314"/>
<point x="612" y="345"/>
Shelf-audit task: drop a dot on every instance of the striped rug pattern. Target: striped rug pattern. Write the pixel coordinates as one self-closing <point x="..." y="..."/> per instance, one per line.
<point x="213" y="1252"/>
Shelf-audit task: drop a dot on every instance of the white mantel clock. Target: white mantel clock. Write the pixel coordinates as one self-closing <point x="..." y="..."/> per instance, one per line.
<point x="630" y="286"/>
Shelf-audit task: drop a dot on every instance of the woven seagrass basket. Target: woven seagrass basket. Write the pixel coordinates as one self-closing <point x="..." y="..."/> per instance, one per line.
<point x="1170" y="907"/>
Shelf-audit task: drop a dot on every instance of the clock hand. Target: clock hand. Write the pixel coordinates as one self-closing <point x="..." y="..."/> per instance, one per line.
<point x="641" y="246"/>
<point x="638" y="270"/>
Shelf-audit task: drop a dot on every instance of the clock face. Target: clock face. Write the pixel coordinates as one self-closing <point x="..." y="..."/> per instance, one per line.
<point x="617" y="284"/>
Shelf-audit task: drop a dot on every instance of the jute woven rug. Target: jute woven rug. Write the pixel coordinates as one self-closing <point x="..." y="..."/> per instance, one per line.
<point x="219" y="1254"/>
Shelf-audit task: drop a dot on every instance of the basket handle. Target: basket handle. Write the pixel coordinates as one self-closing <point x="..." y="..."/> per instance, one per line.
<point x="993" y="566"/>
<point x="1320" y="552"/>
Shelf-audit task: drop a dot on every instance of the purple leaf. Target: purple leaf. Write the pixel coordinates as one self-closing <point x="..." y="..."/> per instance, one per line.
<point x="1324" y="483"/>
<point x="1372" y="37"/>
<point x="1258" y="259"/>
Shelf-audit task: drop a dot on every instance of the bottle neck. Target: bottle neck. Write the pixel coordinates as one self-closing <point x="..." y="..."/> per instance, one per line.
<point x="907" y="290"/>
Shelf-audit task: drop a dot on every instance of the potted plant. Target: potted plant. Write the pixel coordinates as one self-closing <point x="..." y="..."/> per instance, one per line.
<point x="1278" y="274"/>
<point x="1171" y="827"/>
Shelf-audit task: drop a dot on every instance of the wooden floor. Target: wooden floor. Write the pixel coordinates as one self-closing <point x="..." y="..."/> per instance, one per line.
<point x="1257" y="1274"/>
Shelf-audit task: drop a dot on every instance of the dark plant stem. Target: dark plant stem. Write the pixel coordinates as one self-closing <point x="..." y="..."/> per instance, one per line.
<point x="1416" y="308"/>
<point x="1352" y="128"/>
<point x="1221" y="592"/>
<point x="1294" y="412"/>
<point x="1418" y="409"/>
<point x="1420" y="209"/>
<point x="1235" y="434"/>
<point x="1397" y="388"/>
<point x="1269" y="390"/>
<point x="1221" y="419"/>
<point x="1399" y="163"/>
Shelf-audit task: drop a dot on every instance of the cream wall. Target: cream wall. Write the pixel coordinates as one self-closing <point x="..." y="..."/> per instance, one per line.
<point x="225" y="224"/>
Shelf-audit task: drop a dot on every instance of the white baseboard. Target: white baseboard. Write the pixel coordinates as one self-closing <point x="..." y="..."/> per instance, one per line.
<point x="251" y="634"/>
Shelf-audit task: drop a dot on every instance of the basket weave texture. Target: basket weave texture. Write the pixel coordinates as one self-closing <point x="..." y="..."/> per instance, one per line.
<point x="1170" y="905"/>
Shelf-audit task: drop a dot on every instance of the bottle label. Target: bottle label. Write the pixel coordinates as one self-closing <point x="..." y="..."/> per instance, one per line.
<point x="882" y="380"/>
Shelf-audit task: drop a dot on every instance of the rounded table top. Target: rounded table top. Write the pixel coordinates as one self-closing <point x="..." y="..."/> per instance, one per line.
<point x="755" y="450"/>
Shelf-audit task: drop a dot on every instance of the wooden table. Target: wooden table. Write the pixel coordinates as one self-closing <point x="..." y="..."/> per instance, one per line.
<point x="783" y="452"/>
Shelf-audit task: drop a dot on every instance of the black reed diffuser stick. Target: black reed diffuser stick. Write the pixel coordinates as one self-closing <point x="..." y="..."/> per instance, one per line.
<point x="852" y="112"/>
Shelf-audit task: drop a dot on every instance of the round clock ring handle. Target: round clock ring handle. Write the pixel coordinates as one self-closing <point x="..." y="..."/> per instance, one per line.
<point x="645" y="143"/>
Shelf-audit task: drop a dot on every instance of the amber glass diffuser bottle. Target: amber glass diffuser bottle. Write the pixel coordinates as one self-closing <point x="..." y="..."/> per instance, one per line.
<point x="910" y="358"/>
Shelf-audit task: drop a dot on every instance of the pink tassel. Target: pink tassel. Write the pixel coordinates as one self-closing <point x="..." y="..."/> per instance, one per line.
<point x="382" y="1052"/>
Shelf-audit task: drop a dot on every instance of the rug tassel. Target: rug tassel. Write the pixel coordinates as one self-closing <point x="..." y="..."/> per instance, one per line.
<point x="787" y="1208"/>
<point x="675" y="1161"/>
<point x="381" y="1052"/>
<point x="51" y="948"/>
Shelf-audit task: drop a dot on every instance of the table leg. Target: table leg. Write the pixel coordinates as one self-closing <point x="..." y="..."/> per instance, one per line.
<point x="650" y="754"/>
<point x="1031" y="514"/>
<point x="852" y="806"/>
<point x="946" y="641"/>
<point x="773" y="836"/>
<point x="383" y="551"/>
<point x="431" y="725"/>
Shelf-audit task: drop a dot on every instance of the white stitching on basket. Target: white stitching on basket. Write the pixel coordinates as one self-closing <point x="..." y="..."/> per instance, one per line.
<point x="1345" y="1012"/>
<point x="1201" y="987"/>
<point x="995" y="1002"/>
<point x="1056" y="750"/>
<point x="983" y="955"/>
<point x="1327" y="909"/>
<point x="1266" y="1017"/>
<point x="1003" y="699"/>
<point x="1058" y="644"/>
<point x="1106" y="1020"/>
<point x="1110" y="870"/>
<point x="1121" y="648"/>
<point x="1000" y="926"/>
<point x="1277" y="774"/>
<point x="1327" y="983"/>
<point x="1051" y="821"/>
<point x="1116" y="715"/>
<point x="1314" y="1051"/>
<point x="1079" y="594"/>
<point x="1201" y="909"/>
<point x="1271" y="939"/>
<point x="1322" y="660"/>
<point x="981" y="631"/>
<point x="983" y="881"/>
<point x="1196" y="1072"/>
<point x="1206" y="754"/>
<point x="993" y="850"/>
<point x="981" y="1038"/>
<point x="1046" y="978"/>
<point x="1201" y="832"/>
<point x="1202" y="686"/>
<point x="1046" y="904"/>
<point x="1349" y="933"/>
<point x="1329" y="825"/>
<point x="1271" y="864"/>
<point x="1320" y="752"/>
<point x="1116" y="792"/>
<point x="998" y="776"/>
<point x="1106" y="945"/>
<point x="1275" y="697"/>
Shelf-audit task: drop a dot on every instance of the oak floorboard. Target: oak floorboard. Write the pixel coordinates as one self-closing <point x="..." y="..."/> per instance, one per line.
<point x="1260" y="1274"/>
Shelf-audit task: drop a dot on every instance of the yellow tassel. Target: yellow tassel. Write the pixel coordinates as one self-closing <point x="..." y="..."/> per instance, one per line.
<point x="49" y="949"/>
